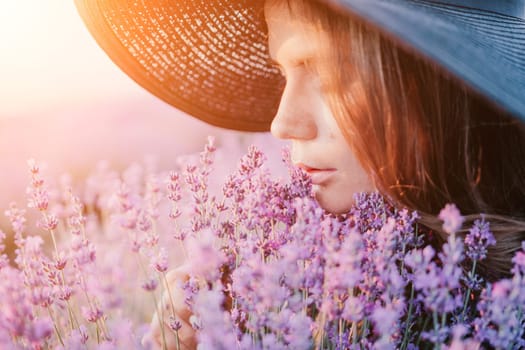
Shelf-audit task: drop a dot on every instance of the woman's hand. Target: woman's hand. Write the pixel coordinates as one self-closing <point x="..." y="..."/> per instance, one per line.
<point x="174" y="313"/>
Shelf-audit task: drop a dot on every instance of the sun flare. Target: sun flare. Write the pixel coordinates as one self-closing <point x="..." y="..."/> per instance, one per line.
<point x="48" y="59"/>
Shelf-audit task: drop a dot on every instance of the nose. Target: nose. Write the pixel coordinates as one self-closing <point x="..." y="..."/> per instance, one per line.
<point x="295" y="119"/>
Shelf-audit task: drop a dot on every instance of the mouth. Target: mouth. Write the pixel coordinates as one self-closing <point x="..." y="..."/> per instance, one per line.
<point x="318" y="175"/>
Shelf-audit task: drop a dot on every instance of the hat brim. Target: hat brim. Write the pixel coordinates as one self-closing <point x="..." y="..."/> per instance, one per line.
<point x="209" y="58"/>
<point x="484" y="49"/>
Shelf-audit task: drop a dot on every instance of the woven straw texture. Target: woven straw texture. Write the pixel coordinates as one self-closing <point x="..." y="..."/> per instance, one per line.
<point x="209" y="58"/>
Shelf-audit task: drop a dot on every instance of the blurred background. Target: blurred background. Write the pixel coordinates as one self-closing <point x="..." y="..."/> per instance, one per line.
<point x="65" y="104"/>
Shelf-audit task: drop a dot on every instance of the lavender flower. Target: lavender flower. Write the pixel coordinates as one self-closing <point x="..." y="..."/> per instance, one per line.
<point x="478" y="239"/>
<point x="220" y="332"/>
<point x="501" y="320"/>
<point x="452" y="219"/>
<point x="269" y="268"/>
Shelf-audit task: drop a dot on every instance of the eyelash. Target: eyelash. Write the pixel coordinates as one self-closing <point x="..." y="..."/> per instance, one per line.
<point x="324" y="88"/>
<point x="297" y="64"/>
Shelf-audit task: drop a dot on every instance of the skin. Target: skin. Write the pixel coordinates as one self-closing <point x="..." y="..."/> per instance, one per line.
<point x="318" y="146"/>
<point x="154" y="338"/>
<point x="304" y="118"/>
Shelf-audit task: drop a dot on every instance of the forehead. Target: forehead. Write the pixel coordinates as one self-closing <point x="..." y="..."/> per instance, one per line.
<point x="289" y="34"/>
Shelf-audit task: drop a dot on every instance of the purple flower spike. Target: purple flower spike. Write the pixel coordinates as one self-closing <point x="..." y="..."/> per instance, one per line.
<point x="452" y="219"/>
<point x="265" y="267"/>
<point x="92" y="314"/>
<point x="160" y="261"/>
<point x="174" y="324"/>
<point x="519" y="261"/>
<point x="150" y="285"/>
<point x="478" y="239"/>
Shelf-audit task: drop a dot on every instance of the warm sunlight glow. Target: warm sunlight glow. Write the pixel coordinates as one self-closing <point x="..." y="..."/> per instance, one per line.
<point x="49" y="59"/>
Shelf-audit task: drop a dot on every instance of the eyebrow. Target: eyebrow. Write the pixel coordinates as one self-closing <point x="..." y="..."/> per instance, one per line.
<point x="309" y="59"/>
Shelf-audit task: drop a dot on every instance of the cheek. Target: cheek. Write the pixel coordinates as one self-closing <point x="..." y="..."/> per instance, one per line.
<point x="337" y="196"/>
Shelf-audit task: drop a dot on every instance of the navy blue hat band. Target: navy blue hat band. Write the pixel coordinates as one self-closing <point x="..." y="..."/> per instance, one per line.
<point x="505" y="7"/>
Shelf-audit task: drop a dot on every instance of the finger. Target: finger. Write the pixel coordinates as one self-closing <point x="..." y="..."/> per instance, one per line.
<point x="174" y="303"/>
<point x="159" y="335"/>
<point x="180" y="274"/>
<point x="156" y="338"/>
<point x="148" y="341"/>
<point x="186" y="335"/>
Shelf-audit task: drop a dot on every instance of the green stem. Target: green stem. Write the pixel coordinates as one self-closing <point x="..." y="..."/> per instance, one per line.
<point x="467" y="295"/>
<point x="341" y="331"/>
<point x="366" y="326"/>
<point x="160" y="316"/>
<point x="177" y="339"/>
<point x="436" y="328"/>
<point x="511" y="345"/>
<point x="172" y="303"/>
<point x="354" y="334"/>
<point x="57" y="331"/>
<point x="425" y="325"/>
<point x="409" y="316"/>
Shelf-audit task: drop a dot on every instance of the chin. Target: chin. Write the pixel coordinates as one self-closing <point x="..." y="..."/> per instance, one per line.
<point x="332" y="201"/>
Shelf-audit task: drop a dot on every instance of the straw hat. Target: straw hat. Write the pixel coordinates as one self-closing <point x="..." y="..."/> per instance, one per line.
<point x="209" y="58"/>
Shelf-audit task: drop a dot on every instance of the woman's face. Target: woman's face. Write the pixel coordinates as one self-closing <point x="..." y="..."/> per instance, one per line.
<point x="304" y="118"/>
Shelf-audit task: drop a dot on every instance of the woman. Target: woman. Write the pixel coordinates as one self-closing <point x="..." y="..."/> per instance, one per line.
<point x="423" y="101"/>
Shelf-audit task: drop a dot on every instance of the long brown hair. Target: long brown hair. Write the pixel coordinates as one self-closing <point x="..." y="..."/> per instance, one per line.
<point x="425" y="138"/>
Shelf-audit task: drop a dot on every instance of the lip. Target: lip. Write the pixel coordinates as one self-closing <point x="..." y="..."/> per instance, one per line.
<point x="317" y="175"/>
